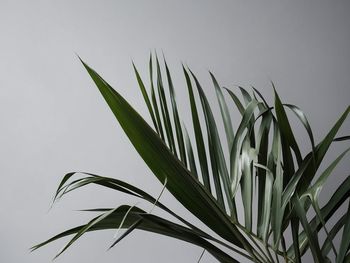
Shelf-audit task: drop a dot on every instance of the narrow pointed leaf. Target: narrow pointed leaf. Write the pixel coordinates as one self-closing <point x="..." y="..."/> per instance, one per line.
<point x="327" y="245"/>
<point x="302" y="117"/>
<point x="224" y="112"/>
<point x="154" y="102"/>
<point x="198" y="134"/>
<point x="219" y="168"/>
<point x="164" y="165"/>
<point x="237" y="144"/>
<point x="320" y="151"/>
<point x="285" y="127"/>
<point x="313" y="240"/>
<point x="248" y="156"/>
<point x="164" y="109"/>
<point x="247" y="99"/>
<point x="236" y="101"/>
<point x="149" y="223"/>
<point x="190" y="155"/>
<point x="145" y="96"/>
<point x="337" y="199"/>
<point x="264" y="223"/>
<point x="179" y="134"/>
<point x="345" y="240"/>
<point x="262" y="152"/>
<point x="275" y="165"/>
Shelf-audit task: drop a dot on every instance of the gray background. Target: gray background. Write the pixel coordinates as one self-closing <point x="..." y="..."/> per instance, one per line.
<point x="53" y="119"/>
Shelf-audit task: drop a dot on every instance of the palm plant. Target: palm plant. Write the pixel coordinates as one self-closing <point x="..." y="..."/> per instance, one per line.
<point x="266" y="171"/>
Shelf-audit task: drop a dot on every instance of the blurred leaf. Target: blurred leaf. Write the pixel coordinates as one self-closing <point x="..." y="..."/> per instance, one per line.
<point x="345" y="240"/>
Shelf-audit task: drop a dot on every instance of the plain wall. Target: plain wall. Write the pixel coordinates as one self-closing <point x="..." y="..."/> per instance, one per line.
<point x="53" y="120"/>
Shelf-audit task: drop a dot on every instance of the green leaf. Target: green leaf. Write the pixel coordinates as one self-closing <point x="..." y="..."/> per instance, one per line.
<point x="314" y="191"/>
<point x="219" y="168"/>
<point x="345" y="240"/>
<point x="237" y="144"/>
<point x="198" y="133"/>
<point x="118" y="185"/>
<point x="262" y="151"/>
<point x="342" y="138"/>
<point x="264" y="223"/>
<point x="337" y="199"/>
<point x="295" y="234"/>
<point x="246" y="96"/>
<point x="285" y="127"/>
<point x="190" y="155"/>
<point x="261" y="96"/>
<point x="320" y="152"/>
<point x="274" y="164"/>
<point x="186" y="189"/>
<point x="154" y="101"/>
<point x="164" y="109"/>
<point x="248" y="156"/>
<point x="179" y="134"/>
<point x="224" y="112"/>
<point x="312" y="237"/>
<point x="302" y="117"/>
<point x="236" y="101"/>
<point x="112" y="218"/>
<point x="145" y="96"/>
<point x="327" y="245"/>
<point x="288" y="141"/>
<point x="247" y="99"/>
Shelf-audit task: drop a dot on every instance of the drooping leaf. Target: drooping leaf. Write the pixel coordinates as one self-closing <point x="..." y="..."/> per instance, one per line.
<point x="236" y="101"/>
<point x="112" y="218"/>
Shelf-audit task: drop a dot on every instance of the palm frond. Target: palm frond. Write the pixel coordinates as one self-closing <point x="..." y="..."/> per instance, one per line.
<point x="263" y="149"/>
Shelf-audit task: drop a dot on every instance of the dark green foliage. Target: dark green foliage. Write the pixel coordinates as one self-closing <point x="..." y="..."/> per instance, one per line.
<point x="287" y="187"/>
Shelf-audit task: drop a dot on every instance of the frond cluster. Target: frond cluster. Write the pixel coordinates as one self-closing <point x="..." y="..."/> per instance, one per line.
<point x="266" y="171"/>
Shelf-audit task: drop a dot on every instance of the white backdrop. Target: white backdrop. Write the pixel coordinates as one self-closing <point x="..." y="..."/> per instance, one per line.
<point x="53" y="120"/>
